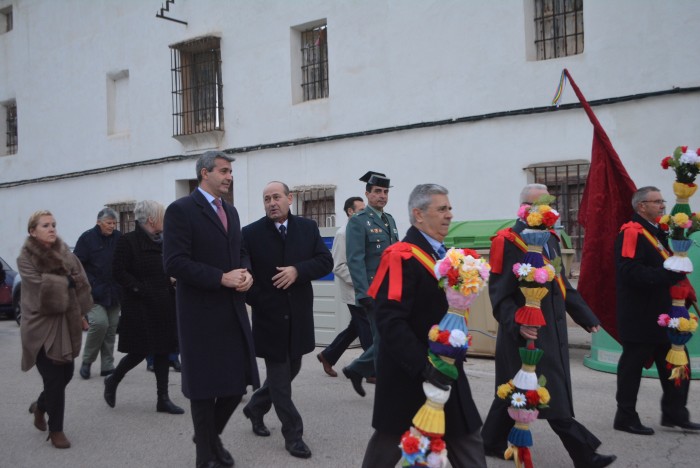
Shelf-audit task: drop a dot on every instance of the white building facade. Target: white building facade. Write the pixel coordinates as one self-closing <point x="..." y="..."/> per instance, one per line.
<point x="99" y="103"/>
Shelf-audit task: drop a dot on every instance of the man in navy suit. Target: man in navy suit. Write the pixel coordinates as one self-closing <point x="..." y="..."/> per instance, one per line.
<point x="286" y="254"/>
<point x="202" y="250"/>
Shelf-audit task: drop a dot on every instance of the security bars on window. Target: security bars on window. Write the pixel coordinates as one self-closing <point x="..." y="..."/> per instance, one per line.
<point x="558" y="28"/>
<point x="197" y="88"/>
<point x="314" y="63"/>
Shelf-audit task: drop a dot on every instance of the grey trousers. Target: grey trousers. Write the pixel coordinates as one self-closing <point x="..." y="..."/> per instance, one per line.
<point x="101" y="336"/>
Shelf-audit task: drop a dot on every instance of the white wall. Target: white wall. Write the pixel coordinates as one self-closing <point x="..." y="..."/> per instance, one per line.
<point x="392" y="63"/>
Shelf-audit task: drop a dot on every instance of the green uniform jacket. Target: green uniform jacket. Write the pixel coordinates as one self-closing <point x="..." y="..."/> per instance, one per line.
<point x="366" y="238"/>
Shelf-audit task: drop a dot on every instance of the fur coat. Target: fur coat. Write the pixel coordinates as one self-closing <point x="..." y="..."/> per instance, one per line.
<point x="55" y="296"/>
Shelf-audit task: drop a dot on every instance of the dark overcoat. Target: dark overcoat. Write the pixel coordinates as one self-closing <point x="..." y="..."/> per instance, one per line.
<point x="643" y="288"/>
<point x="552" y="338"/>
<point x="283" y="319"/>
<point x="403" y="351"/>
<point x="216" y="345"/>
<point x="147" y="324"/>
<point x="96" y="252"/>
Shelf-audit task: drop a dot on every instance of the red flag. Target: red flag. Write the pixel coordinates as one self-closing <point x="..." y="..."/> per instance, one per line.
<point x="606" y="204"/>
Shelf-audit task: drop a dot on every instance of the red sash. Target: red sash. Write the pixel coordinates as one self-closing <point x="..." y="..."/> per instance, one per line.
<point x="392" y="260"/>
<point x="498" y="246"/>
<point x="631" y="231"/>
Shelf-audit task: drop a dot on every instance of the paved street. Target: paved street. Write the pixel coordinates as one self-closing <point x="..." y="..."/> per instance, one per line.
<point x="337" y="420"/>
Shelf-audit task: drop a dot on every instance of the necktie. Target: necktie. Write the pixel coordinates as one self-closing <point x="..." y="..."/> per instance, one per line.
<point x="385" y="220"/>
<point x="441" y="251"/>
<point x="221" y="213"/>
<point x="283" y="232"/>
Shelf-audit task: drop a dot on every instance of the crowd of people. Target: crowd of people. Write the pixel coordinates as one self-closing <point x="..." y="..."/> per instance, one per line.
<point x="181" y="281"/>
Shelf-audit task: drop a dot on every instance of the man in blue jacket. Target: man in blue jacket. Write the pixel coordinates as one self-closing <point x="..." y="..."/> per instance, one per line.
<point x="95" y="249"/>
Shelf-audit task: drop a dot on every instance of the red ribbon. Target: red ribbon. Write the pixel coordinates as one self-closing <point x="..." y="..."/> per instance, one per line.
<point x="497" y="246"/>
<point x="631" y="231"/>
<point x="392" y="259"/>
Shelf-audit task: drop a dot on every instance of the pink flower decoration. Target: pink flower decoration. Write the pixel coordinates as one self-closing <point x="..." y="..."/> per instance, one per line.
<point x="522" y="212"/>
<point x="541" y="275"/>
<point x="663" y="320"/>
<point x="444" y="267"/>
<point x="516" y="267"/>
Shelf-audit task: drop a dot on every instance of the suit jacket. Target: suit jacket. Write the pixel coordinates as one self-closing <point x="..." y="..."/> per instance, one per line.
<point x="216" y="344"/>
<point x="366" y="238"/>
<point x="643" y="288"/>
<point x="283" y="319"/>
<point x="506" y="299"/>
<point x="403" y="351"/>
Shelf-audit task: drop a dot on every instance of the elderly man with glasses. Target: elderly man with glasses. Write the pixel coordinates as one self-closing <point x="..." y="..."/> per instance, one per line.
<point x="643" y="292"/>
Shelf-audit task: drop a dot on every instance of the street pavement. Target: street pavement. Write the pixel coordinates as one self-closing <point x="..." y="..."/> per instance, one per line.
<point x="337" y="421"/>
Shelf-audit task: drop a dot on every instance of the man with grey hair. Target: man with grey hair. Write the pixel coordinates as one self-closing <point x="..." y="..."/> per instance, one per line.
<point x="643" y="290"/>
<point x="95" y="249"/>
<point x="404" y="323"/>
<point x="561" y="297"/>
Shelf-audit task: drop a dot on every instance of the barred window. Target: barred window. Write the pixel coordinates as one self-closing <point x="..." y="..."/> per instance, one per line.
<point x="10" y="128"/>
<point x="127" y="219"/>
<point x="315" y="202"/>
<point x="6" y="20"/>
<point x="197" y="88"/>
<point x="558" y="28"/>
<point x="314" y="62"/>
<point x="566" y="181"/>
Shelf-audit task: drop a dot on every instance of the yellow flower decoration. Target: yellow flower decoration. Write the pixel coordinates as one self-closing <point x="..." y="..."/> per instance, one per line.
<point x="680" y="218"/>
<point x="534" y="219"/>
<point x="544" y="395"/>
<point x="504" y="390"/>
<point x="433" y="333"/>
<point x="544" y="208"/>
<point x="455" y="256"/>
<point x="683" y="325"/>
<point x="665" y="219"/>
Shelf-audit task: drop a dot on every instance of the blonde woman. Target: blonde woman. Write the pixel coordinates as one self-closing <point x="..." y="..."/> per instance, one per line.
<point x="55" y="297"/>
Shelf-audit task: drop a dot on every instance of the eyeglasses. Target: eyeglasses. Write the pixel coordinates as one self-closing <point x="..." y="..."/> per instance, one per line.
<point x="658" y="202"/>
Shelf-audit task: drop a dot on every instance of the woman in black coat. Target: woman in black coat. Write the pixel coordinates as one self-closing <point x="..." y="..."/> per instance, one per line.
<point x="147" y="324"/>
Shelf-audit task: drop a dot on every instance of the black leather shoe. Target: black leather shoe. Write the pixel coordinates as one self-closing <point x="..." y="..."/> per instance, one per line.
<point x="164" y="405"/>
<point x="105" y="373"/>
<point x="210" y="464"/>
<point x="356" y="380"/>
<point x="85" y="370"/>
<point x="494" y="452"/>
<point x="110" y="391"/>
<point x="298" y="449"/>
<point x="223" y="456"/>
<point x="598" y="461"/>
<point x="634" y="428"/>
<point x="259" y="428"/>
<point x="687" y="425"/>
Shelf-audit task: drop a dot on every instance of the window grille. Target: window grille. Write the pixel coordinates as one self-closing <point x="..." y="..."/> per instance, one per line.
<point x="11" y="126"/>
<point x="127" y="219"/>
<point x="314" y="63"/>
<point x="197" y="88"/>
<point x="317" y="203"/>
<point x="6" y="17"/>
<point x="558" y="28"/>
<point x="565" y="181"/>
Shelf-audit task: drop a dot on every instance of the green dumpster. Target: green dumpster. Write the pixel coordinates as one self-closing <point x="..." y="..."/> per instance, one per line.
<point x="475" y="234"/>
<point x="605" y="351"/>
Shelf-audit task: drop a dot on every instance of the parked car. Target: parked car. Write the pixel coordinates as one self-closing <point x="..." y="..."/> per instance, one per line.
<point x="9" y="291"/>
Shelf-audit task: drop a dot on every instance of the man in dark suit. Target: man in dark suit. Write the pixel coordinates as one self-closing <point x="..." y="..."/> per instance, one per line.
<point x="202" y="250"/>
<point x="286" y="254"/>
<point x="403" y="363"/>
<point x="643" y="293"/>
<point x="561" y="298"/>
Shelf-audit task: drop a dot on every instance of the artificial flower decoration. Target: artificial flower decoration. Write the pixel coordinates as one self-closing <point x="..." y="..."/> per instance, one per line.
<point x="462" y="274"/>
<point x="685" y="163"/>
<point x="679" y="226"/>
<point x="680" y="326"/>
